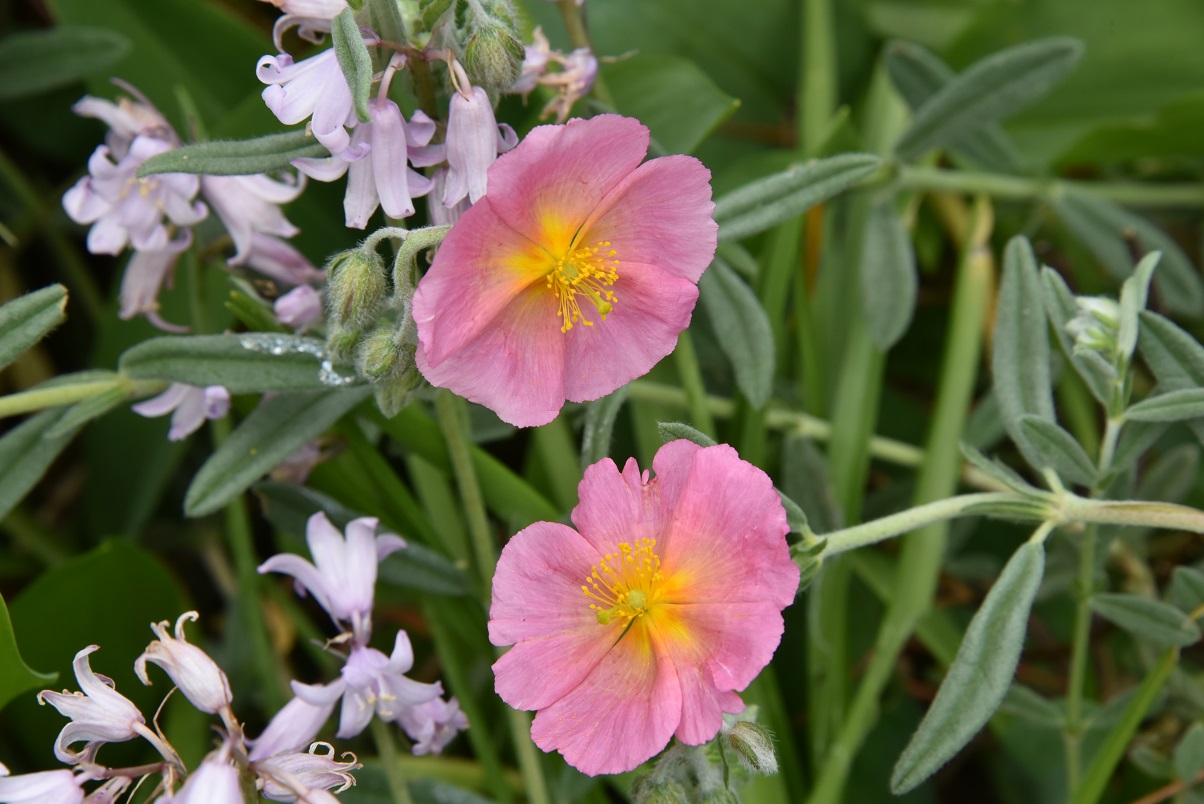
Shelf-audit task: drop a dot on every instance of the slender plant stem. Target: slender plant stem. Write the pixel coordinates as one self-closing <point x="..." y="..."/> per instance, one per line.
<point x="920" y="178"/>
<point x="42" y="398"/>
<point x="386" y="750"/>
<point x="453" y="421"/>
<point x="686" y="360"/>
<point x="574" y="21"/>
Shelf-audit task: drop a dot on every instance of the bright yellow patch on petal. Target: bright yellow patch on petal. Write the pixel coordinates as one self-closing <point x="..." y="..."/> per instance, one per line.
<point x="625" y="586"/>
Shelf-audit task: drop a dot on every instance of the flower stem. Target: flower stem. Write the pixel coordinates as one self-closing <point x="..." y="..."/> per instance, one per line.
<point x="691" y="379"/>
<point x="921" y="178"/>
<point x="65" y="394"/>
<point x="386" y="750"/>
<point x="574" y="22"/>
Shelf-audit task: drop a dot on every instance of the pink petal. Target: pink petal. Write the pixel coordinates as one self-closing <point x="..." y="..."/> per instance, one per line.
<point x="622" y="714"/>
<point x="660" y="214"/>
<point x="559" y="174"/>
<point x="615" y="507"/>
<point x="652" y="308"/>
<point x="514" y="367"/>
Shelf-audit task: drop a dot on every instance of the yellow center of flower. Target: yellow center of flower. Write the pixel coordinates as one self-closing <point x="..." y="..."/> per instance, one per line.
<point x="624" y="585"/>
<point x="585" y="272"/>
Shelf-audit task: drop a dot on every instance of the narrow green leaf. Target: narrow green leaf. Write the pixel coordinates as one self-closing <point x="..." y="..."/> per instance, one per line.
<point x="245" y="364"/>
<point x="431" y="11"/>
<point x="989" y="90"/>
<point x="26" y="452"/>
<point x="889" y="283"/>
<point x="86" y="410"/>
<point x="1134" y="294"/>
<point x="981" y="673"/>
<point x="275" y="430"/>
<point x="1173" y="355"/>
<point x="1112" y="233"/>
<point x="1135" y="439"/>
<point x="743" y="329"/>
<point x="236" y="157"/>
<point x="15" y="675"/>
<point x="25" y="320"/>
<point x="1187" y="589"/>
<point x="1030" y="705"/>
<point x="599" y="425"/>
<point x="1098" y="374"/>
<point x="807" y="479"/>
<point x="1054" y="448"/>
<point x="1145" y="618"/>
<point x="38" y="61"/>
<point x="919" y="74"/>
<point x="765" y="203"/>
<point x="1189" y="753"/>
<point x="993" y="467"/>
<point x="671" y="431"/>
<point x="1173" y="406"/>
<point x="354" y="60"/>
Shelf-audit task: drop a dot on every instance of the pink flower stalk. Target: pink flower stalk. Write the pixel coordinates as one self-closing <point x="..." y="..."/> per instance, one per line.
<point x="99" y="713"/>
<point x="641" y="624"/>
<point x="189" y="407"/>
<point x="196" y="674"/>
<point x="343" y="576"/>
<point x="314" y="87"/>
<point x="573" y="81"/>
<point x="575" y="274"/>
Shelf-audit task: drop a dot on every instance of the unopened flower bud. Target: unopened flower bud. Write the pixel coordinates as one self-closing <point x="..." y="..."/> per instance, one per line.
<point x="341" y="342"/>
<point x="394" y="393"/>
<point x="493" y="57"/>
<point x="379" y="356"/>
<point x="1097" y="324"/>
<point x="718" y="795"/>
<point x="650" y="790"/>
<point x="753" y="746"/>
<point x="193" y="671"/>
<point x="357" y="287"/>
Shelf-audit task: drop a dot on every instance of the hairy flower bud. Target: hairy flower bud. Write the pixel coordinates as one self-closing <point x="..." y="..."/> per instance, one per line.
<point x="1096" y="326"/>
<point x="395" y="392"/>
<point x="651" y="790"/>
<point x="753" y="746"/>
<point x="356" y="287"/>
<point x="493" y="57"/>
<point x="379" y="355"/>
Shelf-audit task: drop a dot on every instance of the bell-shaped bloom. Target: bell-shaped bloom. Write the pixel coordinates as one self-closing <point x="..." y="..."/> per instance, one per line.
<point x="276" y="259"/>
<point x="372" y="683"/>
<point x="99" y="713"/>
<point x="300" y="308"/>
<point x="127" y="118"/>
<point x="216" y="781"/>
<point x="292" y="729"/>
<point x="145" y="274"/>
<point x="304" y="776"/>
<point x="250" y="204"/>
<point x="474" y="140"/>
<point x="189" y="407"/>
<point x="432" y="725"/>
<point x="343" y="576"/>
<point x="314" y="87"/>
<point x="192" y="670"/>
<point x="574" y="275"/>
<point x="311" y="18"/>
<point x="46" y="787"/>
<point x="642" y="623"/>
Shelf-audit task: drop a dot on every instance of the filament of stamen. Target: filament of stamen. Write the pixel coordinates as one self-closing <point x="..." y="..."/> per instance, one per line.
<point x="624" y="585"/>
<point x="586" y="271"/>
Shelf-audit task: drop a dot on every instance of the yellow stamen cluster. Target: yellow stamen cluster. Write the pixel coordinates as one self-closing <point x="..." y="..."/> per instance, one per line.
<point x="624" y="583"/>
<point x="586" y="271"/>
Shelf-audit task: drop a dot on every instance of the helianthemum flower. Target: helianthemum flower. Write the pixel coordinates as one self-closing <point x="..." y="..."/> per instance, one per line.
<point x="641" y="624"/>
<point x="573" y="274"/>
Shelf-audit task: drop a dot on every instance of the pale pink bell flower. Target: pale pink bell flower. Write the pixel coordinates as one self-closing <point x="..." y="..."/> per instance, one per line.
<point x="189" y="407"/>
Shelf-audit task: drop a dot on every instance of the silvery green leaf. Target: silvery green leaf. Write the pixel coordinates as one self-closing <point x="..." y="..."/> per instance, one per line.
<point x="1187" y="589"/>
<point x="988" y="91"/>
<point x="1173" y="406"/>
<point x="276" y="429"/>
<point x="599" y="425"/>
<point x="354" y="60"/>
<point x="742" y="328"/>
<point x="37" y="61"/>
<point x="26" y="452"/>
<point x="981" y="672"/>
<point x="996" y="469"/>
<point x="27" y="319"/>
<point x="919" y="74"/>
<point x="1175" y="358"/>
<point x="889" y="283"/>
<point x="86" y="410"/>
<point x="1098" y="374"/>
<point x="236" y="157"/>
<point x="1108" y="230"/>
<point x="671" y="431"/>
<point x="1054" y="448"/>
<point x="244" y="364"/>
<point x="806" y="478"/>
<point x="1134" y="294"/>
<point x="766" y="202"/>
<point x="1030" y="705"/>
<point x="1152" y="620"/>
<point x="1135" y="439"/>
<point x="1189" y="753"/>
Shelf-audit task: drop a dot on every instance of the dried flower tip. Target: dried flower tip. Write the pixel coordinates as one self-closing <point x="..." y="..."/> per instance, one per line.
<point x="753" y="746"/>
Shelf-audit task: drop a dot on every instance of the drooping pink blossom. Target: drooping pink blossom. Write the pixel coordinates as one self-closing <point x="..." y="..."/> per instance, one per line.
<point x="643" y="623"/>
<point x="251" y="204"/>
<point x="99" y="713"/>
<point x="189" y="406"/>
<point x="195" y="673"/>
<point x="574" y="274"/>
<point x="314" y="87"/>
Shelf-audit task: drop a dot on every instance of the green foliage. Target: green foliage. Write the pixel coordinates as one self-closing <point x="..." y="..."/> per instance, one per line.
<point x="244" y="364"/>
<point x="15" y="675"/>
<point x="744" y="331"/>
<point x="26" y="452"/>
<point x="889" y="282"/>
<point x="354" y="61"/>
<point x="32" y="62"/>
<point x="1159" y="623"/>
<point x="25" y="321"/>
<point x="236" y="157"/>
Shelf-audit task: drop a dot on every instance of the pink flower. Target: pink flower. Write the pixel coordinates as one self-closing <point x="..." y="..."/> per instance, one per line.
<point x="99" y="714"/>
<point x="312" y="87"/>
<point x="196" y="674"/>
<point x="216" y="781"/>
<point x="574" y="275"/>
<point x="251" y="204"/>
<point x="52" y="787"/>
<point x="292" y="728"/>
<point x="299" y="308"/>
<point x="189" y="406"/>
<point x="641" y="624"/>
<point x="305" y="776"/>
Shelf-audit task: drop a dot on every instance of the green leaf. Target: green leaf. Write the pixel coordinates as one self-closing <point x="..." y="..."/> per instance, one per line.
<point x="1173" y="406"/>
<point x="1030" y="705"/>
<point x="275" y="430"/>
<point x="1054" y="448"/>
<point x="1112" y="233"/>
<point x="807" y="479"/>
<point x="236" y="157"/>
<point x="245" y="364"/>
<point x="599" y="426"/>
<point x="1187" y="589"/>
<point x="354" y="60"/>
<point x="1152" y="620"/>
<point x="765" y="203"/>
<point x="1175" y="358"/>
<point x="742" y="328"/>
<point x="889" y="283"/>
<point x="809" y="558"/>
<point x="990" y="90"/>
<point x="1098" y="374"/>
<point x="671" y="431"/>
<point x="1020" y="355"/>
<point x="1189" y="753"/>
<point x="919" y="74"/>
<point x="1134" y="294"/>
<point x="431" y="11"/>
<point x="86" y="410"/>
<point x="26" y="452"/>
<point x="37" y="61"/>
<point x="25" y="320"/>
<point x="15" y="675"/>
<point x="981" y="673"/>
<point x="677" y="101"/>
<point x="996" y="469"/>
